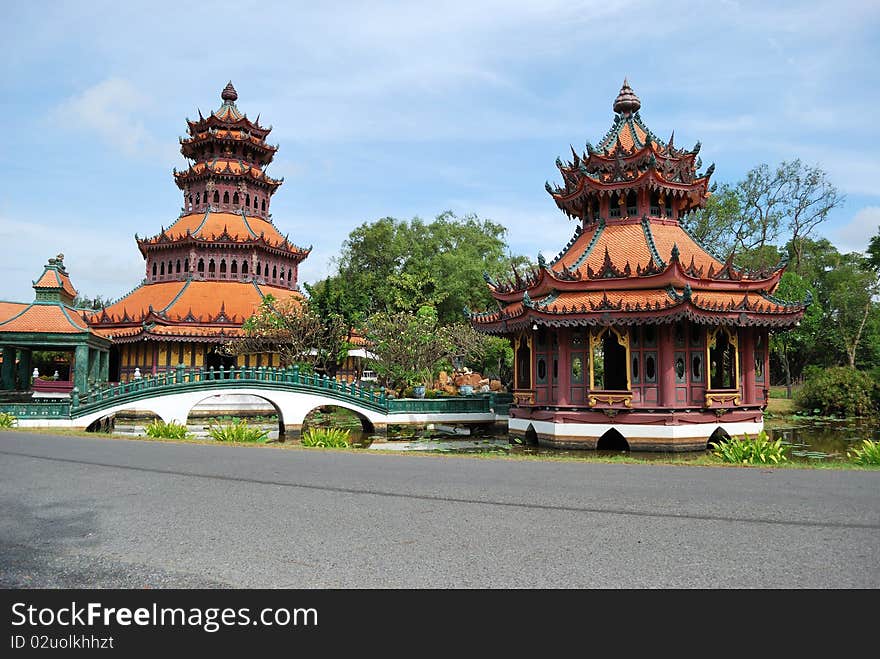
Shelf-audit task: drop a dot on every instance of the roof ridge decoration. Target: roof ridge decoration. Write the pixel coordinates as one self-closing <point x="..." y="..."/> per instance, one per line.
<point x="578" y="230"/>
<point x="247" y="224"/>
<point x="176" y="297"/>
<point x="600" y="228"/>
<point x="649" y="239"/>
<point x="608" y="269"/>
<point x="547" y="300"/>
<point x="71" y="321"/>
<point x="626" y="102"/>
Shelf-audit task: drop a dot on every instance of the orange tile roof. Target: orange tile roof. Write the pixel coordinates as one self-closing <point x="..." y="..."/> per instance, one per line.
<point x="627" y="243"/>
<point x="202" y="300"/>
<point x="591" y="299"/>
<point x="49" y="279"/>
<point x="665" y="236"/>
<point x="45" y="318"/>
<point x="9" y="309"/>
<point x="725" y="299"/>
<point x="139" y="300"/>
<point x="54" y="279"/>
<point x="214" y="225"/>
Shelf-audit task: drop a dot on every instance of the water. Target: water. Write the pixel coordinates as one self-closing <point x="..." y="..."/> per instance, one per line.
<point x="810" y="440"/>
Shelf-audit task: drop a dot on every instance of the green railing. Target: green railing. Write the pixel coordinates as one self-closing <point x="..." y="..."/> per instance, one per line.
<point x="181" y="379"/>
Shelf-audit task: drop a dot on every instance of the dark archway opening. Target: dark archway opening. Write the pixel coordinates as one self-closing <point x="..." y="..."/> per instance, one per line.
<point x="524" y="367"/>
<point x="612" y="441"/>
<point x="718" y="436"/>
<point x="530" y="437"/>
<point x="722" y="360"/>
<point x="615" y="363"/>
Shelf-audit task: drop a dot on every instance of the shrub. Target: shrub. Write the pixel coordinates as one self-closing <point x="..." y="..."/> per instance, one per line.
<point x="7" y="420"/>
<point x="840" y="391"/>
<point x="239" y="431"/>
<point x="869" y="454"/>
<point x="760" y="450"/>
<point x="162" y="430"/>
<point x="326" y="438"/>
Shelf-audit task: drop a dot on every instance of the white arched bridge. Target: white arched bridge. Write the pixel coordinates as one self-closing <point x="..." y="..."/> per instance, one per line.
<point x="172" y="395"/>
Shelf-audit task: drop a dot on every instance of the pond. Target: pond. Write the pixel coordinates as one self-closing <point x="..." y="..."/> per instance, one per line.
<point x="810" y="440"/>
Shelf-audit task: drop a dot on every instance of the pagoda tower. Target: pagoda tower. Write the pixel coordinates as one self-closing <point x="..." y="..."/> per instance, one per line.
<point x="635" y="335"/>
<point x="208" y="271"/>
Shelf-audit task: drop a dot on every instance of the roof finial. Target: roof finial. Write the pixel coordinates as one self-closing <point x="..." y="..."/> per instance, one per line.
<point x="229" y="93"/>
<point x="627" y="102"/>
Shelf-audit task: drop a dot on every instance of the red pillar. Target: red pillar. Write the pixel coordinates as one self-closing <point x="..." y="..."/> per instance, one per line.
<point x="564" y="385"/>
<point x="747" y="354"/>
<point x="666" y="357"/>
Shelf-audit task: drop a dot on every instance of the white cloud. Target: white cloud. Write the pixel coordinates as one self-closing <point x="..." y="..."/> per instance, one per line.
<point x="114" y="110"/>
<point x="854" y="236"/>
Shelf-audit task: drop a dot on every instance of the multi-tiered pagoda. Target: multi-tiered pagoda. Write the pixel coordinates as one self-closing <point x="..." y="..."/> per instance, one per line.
<point x="635" y="335"/>
<point x="207" y="272"/>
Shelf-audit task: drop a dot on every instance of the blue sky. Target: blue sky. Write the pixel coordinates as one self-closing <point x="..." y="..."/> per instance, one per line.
<point x="407" y="109"/>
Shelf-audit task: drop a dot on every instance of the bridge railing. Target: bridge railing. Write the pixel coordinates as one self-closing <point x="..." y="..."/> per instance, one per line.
<point x="181" y="378"/>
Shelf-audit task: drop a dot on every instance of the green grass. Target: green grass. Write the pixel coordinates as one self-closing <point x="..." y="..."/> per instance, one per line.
<point x="162" y="430"/>
<point x="239" y="432"/>
<point x="326" y="438"/>
<point x="7" y="420"/>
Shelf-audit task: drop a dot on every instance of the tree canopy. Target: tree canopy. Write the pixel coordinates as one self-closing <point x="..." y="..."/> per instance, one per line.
<point x="391" y="265"/>
<point x="749" y="219"/>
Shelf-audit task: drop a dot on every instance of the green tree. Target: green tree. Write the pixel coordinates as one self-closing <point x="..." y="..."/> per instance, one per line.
<point x="794" y="346"/>
<point x="408" y="347"/>
<point x="391" y="265"/>
<point x="850" y="290"/>
<point x="296" y="332"/>
<point x="91" y="303"/>
<point x="787" y="203"/>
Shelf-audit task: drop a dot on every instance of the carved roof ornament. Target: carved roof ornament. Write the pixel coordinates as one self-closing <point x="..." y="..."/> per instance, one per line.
<point x="229" y="93"/>
<point x="627" y="102"/>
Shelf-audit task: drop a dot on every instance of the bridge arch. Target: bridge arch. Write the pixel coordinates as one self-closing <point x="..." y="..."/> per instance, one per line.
<point x="231" y="400"/>
<point x="366" y="425"/>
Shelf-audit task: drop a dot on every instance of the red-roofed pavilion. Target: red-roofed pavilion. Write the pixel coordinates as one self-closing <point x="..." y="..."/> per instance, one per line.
<point x="635" y="335"/>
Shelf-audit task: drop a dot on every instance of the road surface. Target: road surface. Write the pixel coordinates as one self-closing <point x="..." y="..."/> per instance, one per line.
<point x="84" y="512"/>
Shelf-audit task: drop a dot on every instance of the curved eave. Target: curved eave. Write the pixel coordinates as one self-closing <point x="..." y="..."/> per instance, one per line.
<point x="205" y="138"/>
<point x="213" y="120"/>
<point x="499" y="323"/>
<point x="585" y="184"/>
<point x="161" y="242"/>
<point x="189" y="175"/>
<point x="597" y="162"/>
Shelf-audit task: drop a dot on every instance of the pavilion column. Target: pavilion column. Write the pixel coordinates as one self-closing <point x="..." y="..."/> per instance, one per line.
<point x="104" y="370"/>
<point x="24" y="369"/>
<point x="94" y="365"/>
<point x="666" y="358"/>
<point x="80" y="374"/>
<point x="564" y="379"/>
<point x="747" y="350"/>
<point x="7" y="373"/>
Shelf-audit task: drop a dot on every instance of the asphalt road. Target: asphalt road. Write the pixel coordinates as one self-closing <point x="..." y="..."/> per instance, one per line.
<point x="83" y="512"/>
